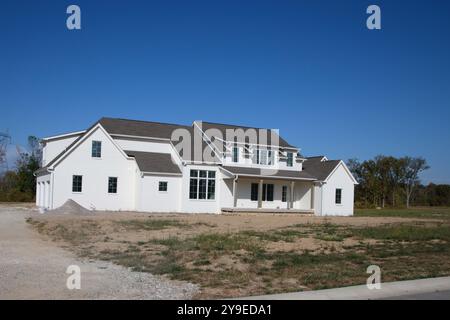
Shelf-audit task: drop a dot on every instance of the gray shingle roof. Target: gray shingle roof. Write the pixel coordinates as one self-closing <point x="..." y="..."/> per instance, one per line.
<point x="320" y="169"/>
<point x="156" y="130"/>
<point x="223" y="128"/>
<point x="313" y="169"/>
<point x="299" y="175"/>
<point x="154" y="162"/>
<point x="140" y="128"/>
<point x="315" y="158"/>
<point x="164" y="130"/>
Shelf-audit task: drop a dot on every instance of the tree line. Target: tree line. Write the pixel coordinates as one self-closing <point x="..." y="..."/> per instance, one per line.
<point x="387" y="180"/>
<point x="19" y="185"/>
<point x="383" y="181"/>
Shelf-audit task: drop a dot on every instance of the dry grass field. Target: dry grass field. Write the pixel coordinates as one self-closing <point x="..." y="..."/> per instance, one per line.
<point x="253" y="254"/>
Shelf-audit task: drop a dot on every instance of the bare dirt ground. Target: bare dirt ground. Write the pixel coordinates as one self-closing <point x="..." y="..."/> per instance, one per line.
<point x="169" y="256"/>
<point x="122" y="228"/>
<point x="223" y="223"/>
<point x="32" y="267"/>
<point x="233" y="255"/>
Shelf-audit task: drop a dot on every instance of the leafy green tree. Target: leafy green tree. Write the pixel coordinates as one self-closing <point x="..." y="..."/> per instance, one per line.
<point x="387" y="178"/>
<point x="20" y="184"/>
<point x="26" y="166"/>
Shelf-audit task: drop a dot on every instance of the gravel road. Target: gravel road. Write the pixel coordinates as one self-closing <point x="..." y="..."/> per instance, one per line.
<point x="34" y="268"/>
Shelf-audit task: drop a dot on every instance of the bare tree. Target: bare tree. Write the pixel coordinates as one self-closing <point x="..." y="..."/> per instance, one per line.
<point x="35" y="148"/>
<point x="5" y="139"/>
<point x="412" y="168"/>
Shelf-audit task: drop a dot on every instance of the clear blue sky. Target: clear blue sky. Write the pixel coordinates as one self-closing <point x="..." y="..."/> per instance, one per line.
<point x="310" y="68"/>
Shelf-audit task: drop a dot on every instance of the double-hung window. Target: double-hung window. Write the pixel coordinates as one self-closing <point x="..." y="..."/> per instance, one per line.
<point x="96" y="149"/>
<point x="290" y="159"/>
<point x="202" y="184"/>
<point x="112" y="185"/>
<point x="284" y="194"/>
<point x="77" y="183"/>
<point x="338" y="196"/>
<point x="235" y="154"/>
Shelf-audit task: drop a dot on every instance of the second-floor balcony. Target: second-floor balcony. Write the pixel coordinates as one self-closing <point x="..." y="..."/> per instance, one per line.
<point x="263" y="157"/>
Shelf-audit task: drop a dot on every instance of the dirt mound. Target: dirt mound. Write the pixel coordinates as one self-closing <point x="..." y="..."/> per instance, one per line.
<point x="70" y="207"/>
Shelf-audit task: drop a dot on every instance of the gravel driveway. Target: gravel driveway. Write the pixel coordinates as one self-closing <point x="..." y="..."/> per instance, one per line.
<point x="34" y="268"/>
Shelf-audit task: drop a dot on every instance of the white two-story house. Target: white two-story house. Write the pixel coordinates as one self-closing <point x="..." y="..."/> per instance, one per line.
<point x="130" y="165"/>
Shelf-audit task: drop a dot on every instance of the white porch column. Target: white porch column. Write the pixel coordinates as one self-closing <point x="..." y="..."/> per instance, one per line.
<point x="234" y="193"/>
<point x="312" y="196"/>
<point x="48" y="195"/>
<point x="260" y="190"/>
<point x="38" y="193"/>
<point x="292" y="195"/>
<point x="45" y="195"/>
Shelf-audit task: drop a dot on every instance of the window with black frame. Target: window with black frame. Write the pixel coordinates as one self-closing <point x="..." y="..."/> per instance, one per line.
<point x="162" y="186"/>
<point x="96" y="149"/>
<point x="290" y="159"/>
<point x="112" y="185"/>
<point x="77" y="183"/>
<point x="338" y="198"/>
<point x="254" y="192"/>
<point x="235" y="154"/>
<point x="284" y="194"/>
<point x="202" y="185"/>
<point x="267" y="192"/>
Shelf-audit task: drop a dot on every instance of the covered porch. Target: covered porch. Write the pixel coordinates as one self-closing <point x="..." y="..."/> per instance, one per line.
<point x="282" y="191"/>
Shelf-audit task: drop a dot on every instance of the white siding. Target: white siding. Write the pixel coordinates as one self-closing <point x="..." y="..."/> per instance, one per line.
<point x="153" y="200"/>
<point x="317" y="199"/>
<point x="53" y="148"/>
<point x="226" y="191"/>
<point x="302" y="195"/>
<point x="244" y="194"/>
<point x="95" y="172"/>
<point x="339" y="179"/>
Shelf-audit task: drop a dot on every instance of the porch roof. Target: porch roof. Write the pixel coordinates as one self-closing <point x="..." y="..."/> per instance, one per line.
<point x="269" y="173"/>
